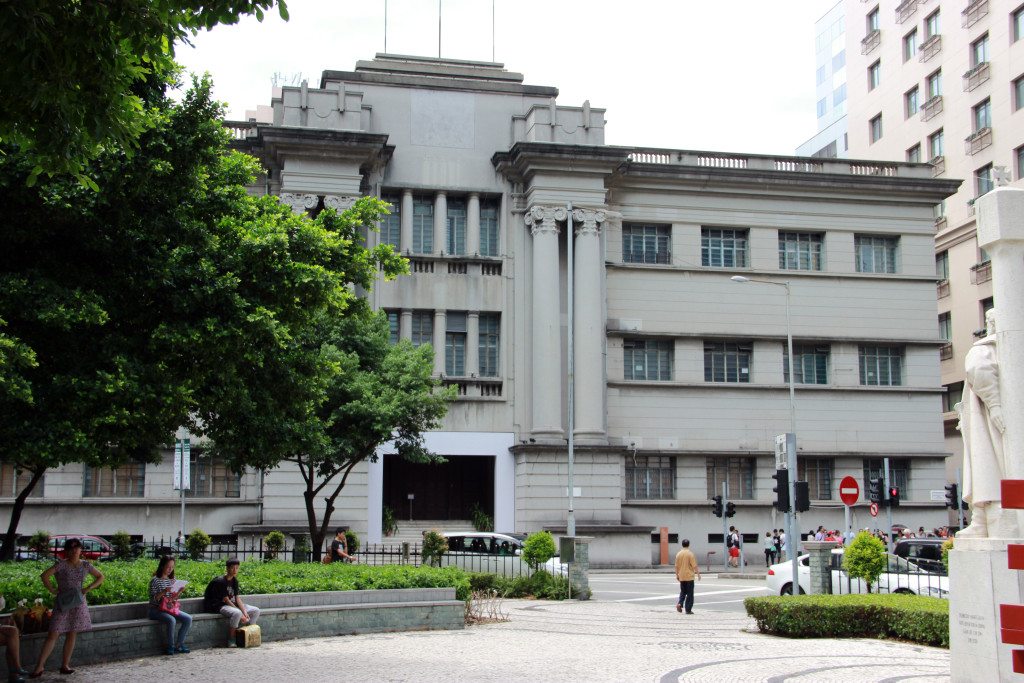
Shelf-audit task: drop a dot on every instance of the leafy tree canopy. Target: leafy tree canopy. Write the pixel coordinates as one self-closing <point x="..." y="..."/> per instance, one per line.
<point x="72" y="69"/>
<point x="865" y="558"/>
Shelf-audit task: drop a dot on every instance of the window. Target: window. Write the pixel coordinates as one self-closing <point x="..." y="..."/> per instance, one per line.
<point x="422" y="328"/>
<point x="456" y="226"/>
<point x="875" y="75"/>
<point x="838" y="61"/>
<point x="127" y="481"/>
<point x="939" y="210"/>
<point x="391" y="224"/>
<point x="422" y="225"/>
<point x="1019" y="155"/>
<point x="822" y="107"/>
<point x="13" y="480"/>
<point x="736" y="473"/>
<point x="986" y="306"/>
<point x="881" y="366"/>
<point x="982" y="115"/>
<point x="645" y="243"/>
<point x="490" y="331"/>
<point x="936" y="147"/>
<point x="1017" y="21"/>
<point x="875" y="128"/>
<point x="910" y="45"/>
<point x="817" y="472"/>
<point x="839" y="95"/>
<point x="811" y="364"/>
<point x="954" y="392"/>
<point x="820" y="75"/>
<point x="914" y="154"/>
<point x="899" y="473"/>
<point x="211" y="478"/>
<point x="393" y="317"/>
<point x="935" y="84"/>
<point x="910" y="102"/>
<point x="723" y="248"/>
<point x="875" y="253"/>
<point x="650" y="477"/>
<point x="646" y="359"/>
<point x="489" y="227"/>
<point x="946" y="326"/>
<point x="979" y="51"/>
<point x="932" y="26"/>
<point x="1018" y="94"/>
<point x="983" y="180"/>
<point x="726" y="362"/>
<point x="872" y="20"/>
<point x="455" y="345"/>
<point x="942" y="265"/>
<point x="800" y="250"/>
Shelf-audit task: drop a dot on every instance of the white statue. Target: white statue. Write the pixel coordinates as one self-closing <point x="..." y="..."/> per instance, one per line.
<point x="982" y="428"/>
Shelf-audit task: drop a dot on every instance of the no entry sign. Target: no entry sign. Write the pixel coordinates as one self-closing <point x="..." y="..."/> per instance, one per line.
<point x="874" y="509"/>
<point x="849" y="490"/>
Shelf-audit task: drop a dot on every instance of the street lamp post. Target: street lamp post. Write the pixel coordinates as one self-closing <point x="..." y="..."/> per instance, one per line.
<point x="790" y="447"/>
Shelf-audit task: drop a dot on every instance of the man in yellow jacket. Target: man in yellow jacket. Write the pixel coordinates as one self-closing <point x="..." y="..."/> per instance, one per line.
<point x="686" y="569"/>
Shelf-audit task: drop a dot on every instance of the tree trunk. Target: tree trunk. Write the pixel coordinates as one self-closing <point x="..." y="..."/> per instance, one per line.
<point x="10" y="539"/>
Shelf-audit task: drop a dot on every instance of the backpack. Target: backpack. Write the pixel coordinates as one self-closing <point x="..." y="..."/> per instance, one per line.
<point x="728" y="541"/>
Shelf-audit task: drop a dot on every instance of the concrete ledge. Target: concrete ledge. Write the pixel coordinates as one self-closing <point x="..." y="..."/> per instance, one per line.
<point x="124" y="631"/>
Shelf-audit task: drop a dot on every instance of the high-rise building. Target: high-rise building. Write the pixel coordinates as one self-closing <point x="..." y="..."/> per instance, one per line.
<point x="830" y="142"/>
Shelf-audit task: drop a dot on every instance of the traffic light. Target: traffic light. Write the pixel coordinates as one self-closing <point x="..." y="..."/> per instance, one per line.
<point x="952" y="496"/>
<point x="781" y="490"/>
<point x="717" y="507"/>
<point x="730" y="509"/>
<point x="801" y="493"/>
<point x="875" y="491"/>
<point x="894" y="496"/>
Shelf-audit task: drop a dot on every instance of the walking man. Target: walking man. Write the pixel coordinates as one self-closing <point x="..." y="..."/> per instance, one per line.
<point x="686" y="569"/>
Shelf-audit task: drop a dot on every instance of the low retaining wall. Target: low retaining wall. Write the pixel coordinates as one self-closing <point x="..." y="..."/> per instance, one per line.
<point x="124" y="631"/>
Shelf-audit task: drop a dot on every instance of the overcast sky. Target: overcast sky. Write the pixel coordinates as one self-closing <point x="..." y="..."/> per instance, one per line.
<point x="722" y="76"/>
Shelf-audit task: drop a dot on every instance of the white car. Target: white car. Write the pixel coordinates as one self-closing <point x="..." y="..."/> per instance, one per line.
<point x="900" y="577"/>
<point x="483" y="551"/>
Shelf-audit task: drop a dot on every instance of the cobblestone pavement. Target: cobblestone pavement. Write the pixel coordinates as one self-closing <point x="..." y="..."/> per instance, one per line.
<point x="551" y="641"/>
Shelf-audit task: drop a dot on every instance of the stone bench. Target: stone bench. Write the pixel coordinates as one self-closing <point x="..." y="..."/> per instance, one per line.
<point x="124" y="631"/>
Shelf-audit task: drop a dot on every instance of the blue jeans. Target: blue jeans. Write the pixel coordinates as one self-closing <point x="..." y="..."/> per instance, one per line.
<point x="168" y="620"/>
<point x="686" y="595"/>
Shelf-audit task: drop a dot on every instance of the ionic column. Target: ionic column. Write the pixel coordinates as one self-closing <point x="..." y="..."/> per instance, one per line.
<point x="473" y="344"/>
<point x="299" y="203"/>
<point x="405" y="238"/>
<point x="546" y="352"/>
<point x="588" y="329"/>
<point x="440" y="327"/>
<point x="440" y="222"/>
<point x="473" y="223"/>
<point x="405" y="325"/>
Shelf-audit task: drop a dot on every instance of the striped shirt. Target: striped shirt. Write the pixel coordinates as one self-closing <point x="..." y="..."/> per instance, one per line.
<point x="157" y="584"/>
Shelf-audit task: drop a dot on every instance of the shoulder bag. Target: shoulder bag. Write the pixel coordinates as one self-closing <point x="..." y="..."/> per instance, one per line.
<point x="169" y="605"/>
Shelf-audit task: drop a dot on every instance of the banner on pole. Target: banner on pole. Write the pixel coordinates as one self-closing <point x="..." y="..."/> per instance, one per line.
<point x="182" y="469"/>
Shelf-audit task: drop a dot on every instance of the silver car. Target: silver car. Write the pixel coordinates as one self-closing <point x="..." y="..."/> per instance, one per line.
<point x="493" y="553"/>
<point x="900" y="577"/>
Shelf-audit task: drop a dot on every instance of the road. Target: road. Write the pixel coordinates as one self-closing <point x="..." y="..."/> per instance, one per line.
<point x="662" y="588"/>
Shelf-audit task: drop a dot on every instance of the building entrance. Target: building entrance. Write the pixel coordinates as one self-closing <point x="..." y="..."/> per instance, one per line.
<point x="445" y="491"/>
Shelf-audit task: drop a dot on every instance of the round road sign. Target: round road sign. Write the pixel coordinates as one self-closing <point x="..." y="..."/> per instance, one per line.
<point x="874" y="509"/>
<point x="849" y="491"/>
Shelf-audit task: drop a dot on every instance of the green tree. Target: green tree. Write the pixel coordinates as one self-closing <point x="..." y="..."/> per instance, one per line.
<point x="538" y="548"/>
<point x="865" y="558"/>
<point x="73" y="68"/>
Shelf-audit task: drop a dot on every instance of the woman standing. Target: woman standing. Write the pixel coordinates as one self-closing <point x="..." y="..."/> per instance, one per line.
<point x="161" y="586"/>
<point x="70" y="613"/>
<point x="769" y="548"/>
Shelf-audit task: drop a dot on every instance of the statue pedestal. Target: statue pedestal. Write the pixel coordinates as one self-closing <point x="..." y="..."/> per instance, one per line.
<point x="979" y="581"/>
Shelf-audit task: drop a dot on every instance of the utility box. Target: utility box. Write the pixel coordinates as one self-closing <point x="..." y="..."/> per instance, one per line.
<point x="567" y="549"/>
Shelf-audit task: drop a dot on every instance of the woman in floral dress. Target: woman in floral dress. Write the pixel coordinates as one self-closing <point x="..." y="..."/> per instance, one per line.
<point x="70" y="575"/>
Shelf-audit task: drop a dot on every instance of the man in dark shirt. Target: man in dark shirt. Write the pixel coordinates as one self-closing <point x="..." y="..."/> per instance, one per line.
<point x="223" y="596"/>
<point x="339" y="547"/>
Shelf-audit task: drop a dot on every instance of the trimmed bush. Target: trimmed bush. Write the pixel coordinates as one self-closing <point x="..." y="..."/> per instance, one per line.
<point x="915" y="618"/>
<point x="539" y="548"/>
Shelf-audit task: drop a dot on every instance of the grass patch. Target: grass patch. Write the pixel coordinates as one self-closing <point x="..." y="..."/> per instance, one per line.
<point x="914" y="618"/>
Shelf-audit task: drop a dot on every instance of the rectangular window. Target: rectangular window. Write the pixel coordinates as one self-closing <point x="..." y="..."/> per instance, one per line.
<point x="456" y="226"/>
<point x="954" y="392"/>
<point x="910" y="102"/>
<point x="979" y="51"/>
<point x="982" y="115"/>
<point x="423" y="225"/>
<point x="881" y="366"/>
<point x="939" y="210"/>
<point x="839" y="95"/>
<point x="910" y="45"/>
<point x="822" y="107"/>
<point x="914" y="154"/>
<point x="646" y="243"/>
<point x="820" y="75"/>
<point x="650" y="477"/>
<point x="817" y="472"/>
<point x="899" y="473"/>
<point x="838" y="61"/>
<point x="800" y="250"/>
<point x="1018" y="94"/>
<point x="936" y="146"/>
<point x="489" y="337"/>
<point x="1017" y="21"/>
<point x="872" y="20"/>
<point x="811" y="364"/>
<point x="946" y="326"/>
<point x="983" y="180"/>
<point x="723" y="248"/>
<point x="455" y="345"/>
<point x="646" y="359"/>
<point x="875" y="75"/>
<point x="1019" y="155"/>
<point x="736" y="473"/>
<point x="13" y="480"/>
<point x="422" y="328"/>
<point x="875" y="128"/>
<point x="391" y="224"/>
<point x="393" y="317"/>
<point x="932" y="25"/>
<point x="127" y="481"/>
<point x="726" y="362"/>
<point x="942" y="265"/>
<point x="875" y="253"/>
<point x="211" y="478"/>
<point x="935" y="84"/>
<point x="489" y="227"/>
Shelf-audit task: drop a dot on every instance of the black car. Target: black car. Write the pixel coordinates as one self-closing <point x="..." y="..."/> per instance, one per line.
<point x="926" y="553"/>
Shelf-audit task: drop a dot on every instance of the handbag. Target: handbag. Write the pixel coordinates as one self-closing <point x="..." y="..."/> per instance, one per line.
<point x="68" y="600"/>
<point x="169" y="605"/>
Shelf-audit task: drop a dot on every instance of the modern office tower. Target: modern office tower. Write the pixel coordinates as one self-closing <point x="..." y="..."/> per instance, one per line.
<point x="830" y="142"/>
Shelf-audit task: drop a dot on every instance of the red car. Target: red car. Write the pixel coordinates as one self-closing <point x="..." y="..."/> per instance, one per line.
<point x="93" y="547"/>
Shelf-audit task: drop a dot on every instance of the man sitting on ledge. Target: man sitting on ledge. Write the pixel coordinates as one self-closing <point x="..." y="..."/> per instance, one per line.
<point x="223" y="596"/>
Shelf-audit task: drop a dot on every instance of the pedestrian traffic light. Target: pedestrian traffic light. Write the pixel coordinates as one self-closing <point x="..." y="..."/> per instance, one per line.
<point x="717" y="507"/>
<point x="894" y="496"/>
<point x="951" y="496"/>
<point x="730" y="509"/>
<point x="781" y="490"/>
<point x="875" y="491"/>
<point x="801" y="494"/>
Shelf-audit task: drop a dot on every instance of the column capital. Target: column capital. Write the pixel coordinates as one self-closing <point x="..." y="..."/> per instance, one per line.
<point x="545" y="219"/>
<point x="299" y="203"/>
<point x="340" y="202"/>
<point x="588" y="221"/>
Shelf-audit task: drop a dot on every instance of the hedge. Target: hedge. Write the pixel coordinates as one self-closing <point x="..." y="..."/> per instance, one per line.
<point x="914" y="618"/>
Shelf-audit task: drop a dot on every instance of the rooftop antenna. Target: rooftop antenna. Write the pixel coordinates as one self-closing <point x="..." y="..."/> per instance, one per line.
<point x="439" y="29"/>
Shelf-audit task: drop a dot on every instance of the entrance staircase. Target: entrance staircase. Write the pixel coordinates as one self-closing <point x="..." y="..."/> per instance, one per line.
<point x="412" y="531"/>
